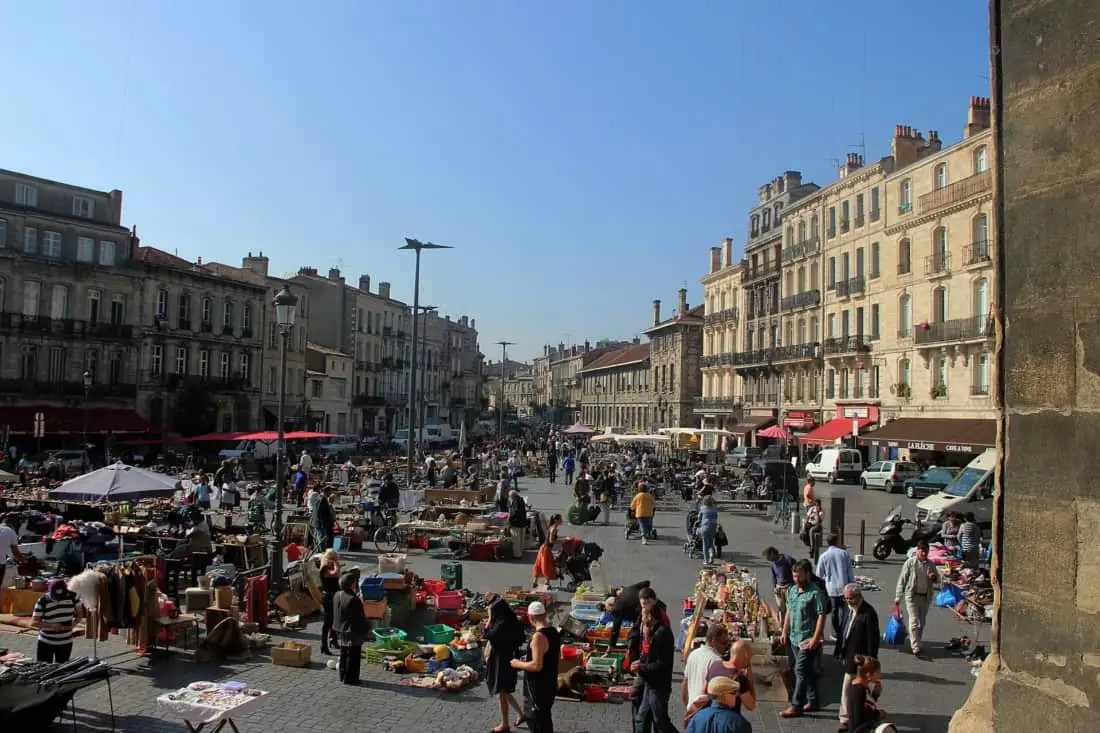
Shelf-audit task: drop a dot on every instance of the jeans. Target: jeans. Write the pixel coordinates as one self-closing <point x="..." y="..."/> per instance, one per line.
<point x="652" y="712"/>
<point x="839" y="614"/>
<point x="646" y="525"/>
<point x="514" y="479"/>
<point x="708" y="534"/>
<point x="58" y="653"/>
<point x="351" y="657"/>
<point x="568" y="476"/>
<point x="805" y="678"/>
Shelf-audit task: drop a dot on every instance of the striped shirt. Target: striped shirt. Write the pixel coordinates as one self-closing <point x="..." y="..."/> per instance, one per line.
<point x="54" y="612"/>
<point x="970" y="534"/>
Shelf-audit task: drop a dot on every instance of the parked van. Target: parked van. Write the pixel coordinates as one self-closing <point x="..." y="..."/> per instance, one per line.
<point x="258" y="449"/>
<point x="835" y="464"/>
<point x="970" y="491"/>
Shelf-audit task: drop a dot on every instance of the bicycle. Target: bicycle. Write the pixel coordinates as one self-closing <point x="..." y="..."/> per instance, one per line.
<point x="783" y="514"/>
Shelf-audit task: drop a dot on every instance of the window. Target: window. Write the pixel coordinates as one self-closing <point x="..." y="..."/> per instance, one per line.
<point x="859" y="322"/>
<point x="59" y="302"/>
<point x="845" y="267"/>
<point x="859" y="210"/>
<point x="26" y="195"/>
<point x="801" y="279"/>
<point x="981" y="160"/>
<point x="246" y="318"/>
<point x="224" y="371"/>
<point x="981" y="298"/>
<point x="874" y="204"/>
<point x="876" y="257"/>
<point x="3" y="233"/>
<point x="831" y="231"/>
<point x="845" y="324"/>
<point x="939" y="249"/>
<point x="905" y="316"/>
<point x="227" y="314"/>
<point x="789" y="287"/>
<point x="767" y="221"/>
<point x="939" y="305"/>
<point x="246" y="370"/>
<point x="204" y="363"/>
<point x="181" y="361"/>
<point x="83" y="207"/>
<point x="939" y="388"/>
<point x="51" y="244"/>
<point x="875" y="313"/>
<point x="981" y="375"/>
<point x="30" y="240"/>
<point x="754" y="228"/>
<point x="905" y="257"/>
<point x="904" y="377"/>
<point x="830" y="325"/>
<point x="118" y="310"/>
<point x="204" y="310"/>
<point x="28" y="367"/>
<point x="162" y="304"/>
<point x="32" y="298"/>
<point x="940" y="176"/>
<point x="832" y="273"/>
<point x="184" y="309"/>
<point x="107" y="254"/>
<point x="57" y="365"/>
<point x="859" y="261"/>
<point x="905" y="196"/>
<point x="91" y="364"/>
<point x="114" y="369"/>
<point x="813" y="276"/>
<point x="789" y="334"/>
<point x="85" y="249"/>
<point x="859" y="383"/>
<point x="845" y="220"/>
<point x="271" y="385"/>
<point x="156" y="360"/>
<point x="94" y="304"/>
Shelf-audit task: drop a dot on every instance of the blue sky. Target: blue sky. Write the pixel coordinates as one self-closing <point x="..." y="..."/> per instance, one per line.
<point x="581" y="155"/>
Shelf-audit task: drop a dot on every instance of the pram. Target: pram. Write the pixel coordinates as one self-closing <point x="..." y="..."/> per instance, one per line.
<point x="578" y="566"/>
<point x="634" y="529"/>
<point x="693" y="544"/>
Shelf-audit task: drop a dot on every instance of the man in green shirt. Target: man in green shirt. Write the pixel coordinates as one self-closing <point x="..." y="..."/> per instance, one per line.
<point x="803" y="625"/>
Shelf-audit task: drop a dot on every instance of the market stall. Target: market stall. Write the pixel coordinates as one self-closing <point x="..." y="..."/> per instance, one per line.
<point x="211" y="703"/>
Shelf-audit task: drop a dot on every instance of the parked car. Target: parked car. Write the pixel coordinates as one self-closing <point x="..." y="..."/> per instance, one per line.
<point x="888" y="475"/>
<point x="932" y="481"/>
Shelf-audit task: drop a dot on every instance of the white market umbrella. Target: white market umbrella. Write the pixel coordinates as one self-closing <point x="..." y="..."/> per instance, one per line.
<point x="117" y="482"/>
<point x="5" y="477"/>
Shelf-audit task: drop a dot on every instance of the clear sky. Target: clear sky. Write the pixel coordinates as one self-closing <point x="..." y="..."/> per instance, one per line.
<point x="581" y="155"/>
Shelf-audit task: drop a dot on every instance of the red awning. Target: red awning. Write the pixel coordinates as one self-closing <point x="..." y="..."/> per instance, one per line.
<point x="834" y="430"/>
<point x="307" y="435"/>
<point x="70" y="420"/>
<point x="212" y="438"/>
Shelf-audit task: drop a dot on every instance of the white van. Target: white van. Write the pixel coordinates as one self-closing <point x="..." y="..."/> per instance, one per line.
<point x="258" y="449"/>
<point x="835" y="464"/>
<point x="970" y="491"/>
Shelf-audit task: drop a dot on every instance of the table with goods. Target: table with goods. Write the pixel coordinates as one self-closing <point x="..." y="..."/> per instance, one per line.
<point x="211" y="703"/>
<point x="34" y="694"/>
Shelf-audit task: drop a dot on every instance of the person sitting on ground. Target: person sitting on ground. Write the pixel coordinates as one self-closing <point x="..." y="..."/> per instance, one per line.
<point x="861" y="695"/>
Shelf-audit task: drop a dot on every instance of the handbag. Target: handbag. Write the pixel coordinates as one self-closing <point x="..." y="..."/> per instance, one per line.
<point x="895" y="630"/>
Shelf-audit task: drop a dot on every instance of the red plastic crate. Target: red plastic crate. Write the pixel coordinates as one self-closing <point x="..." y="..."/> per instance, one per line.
<point x="431" y="586"/>
<point x="454" y="620"/>
<point x="450" y="600"/>
<point x="483" y="551"/>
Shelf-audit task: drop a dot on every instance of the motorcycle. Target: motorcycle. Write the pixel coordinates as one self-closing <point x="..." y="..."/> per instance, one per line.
<point x="891" y="539"/>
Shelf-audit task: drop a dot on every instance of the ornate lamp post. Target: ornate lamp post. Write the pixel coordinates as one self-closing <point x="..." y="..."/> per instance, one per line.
<point x="285" y="303"/>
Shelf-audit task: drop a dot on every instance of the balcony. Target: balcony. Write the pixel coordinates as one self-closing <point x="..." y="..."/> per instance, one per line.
<point x="722" y="316"/>
<point x="875" y="214"/>
<point x="979" y="390"/>
<point x="227" y="330"/>
<point x="859" y="220"/>
<point x="807" y="299"/>
<point x="751" y="358"/>
<point x="852" y="286"/>
<point x="977" y="254"/>
<point x="796" y="352"/>
<point x="845" y="226"/>
<point x="387" y="331"/>
<point x="717" y="360"/>
<point x="361" y="365"/>
<point x="957" y="192"/>
<point x="762" y="399"/>
<point x="830" y="232"/>
<point x="183" y="324"/>
<point x="389" y="363"/>
<point x="975" y="328"/>
<point x="72" y="327"/>
<point x="246" y="333"/>
<point x="905" y="207"/>
<point x="458" y="402"/>
<point x="399" y="335"/>
<point x="363" y="400"/>
<point x="62" y="390"/>
<point x="716" y="405"/>
<point x="937" y="264"/>
<point x="759" y="271"/>
<point x="846" y="345"/>
<point x="801" y="249"/>
<point x="206" y="327"/>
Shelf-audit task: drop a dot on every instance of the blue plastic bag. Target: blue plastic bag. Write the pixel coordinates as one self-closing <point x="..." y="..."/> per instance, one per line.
<point x="895" y="631"/>
<point x="949" y="597"/>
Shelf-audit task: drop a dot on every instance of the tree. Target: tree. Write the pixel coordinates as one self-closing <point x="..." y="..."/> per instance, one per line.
<point x="195" y="411"/>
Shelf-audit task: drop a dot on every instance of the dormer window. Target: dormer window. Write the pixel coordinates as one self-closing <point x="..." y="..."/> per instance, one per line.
<point x="83" y="207"/>
<point x="26" y="195"/>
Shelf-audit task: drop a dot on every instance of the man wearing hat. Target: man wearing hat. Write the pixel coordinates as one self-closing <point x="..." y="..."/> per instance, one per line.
<point x="540" y="672"/>
<point x="719" y="716"/>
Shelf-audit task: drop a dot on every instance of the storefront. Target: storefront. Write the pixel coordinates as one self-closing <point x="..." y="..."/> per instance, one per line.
<point x="801" y="421"/>
<point x="849" y="420"/>
<point x="931" y="441"/>
<point x="746" y="429"/>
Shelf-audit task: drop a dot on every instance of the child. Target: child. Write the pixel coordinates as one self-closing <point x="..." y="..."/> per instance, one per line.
<point x="605" y="507"/>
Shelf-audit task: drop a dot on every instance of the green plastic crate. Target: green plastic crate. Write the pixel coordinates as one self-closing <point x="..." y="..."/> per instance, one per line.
<point x="396" y="648"/>
<point x="438" y="634"/>
<point x="385" y="633"/>
<point x="451" y="574"/>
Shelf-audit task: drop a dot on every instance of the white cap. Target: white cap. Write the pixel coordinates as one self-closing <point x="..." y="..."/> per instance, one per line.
<point x="536" y="609"/>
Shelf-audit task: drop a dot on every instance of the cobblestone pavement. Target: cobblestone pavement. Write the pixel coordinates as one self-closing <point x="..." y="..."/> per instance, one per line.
<point x="919" y="695"/>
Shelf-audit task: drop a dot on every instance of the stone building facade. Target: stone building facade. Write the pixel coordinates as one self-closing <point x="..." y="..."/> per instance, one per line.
<point x="330" y="381"/>
<point x="719" y="404"/>
<point x="615" y="389"/>
<point x="566" y="382"/>
<point x="675" y="354"/>
<point x="70" y="304"/>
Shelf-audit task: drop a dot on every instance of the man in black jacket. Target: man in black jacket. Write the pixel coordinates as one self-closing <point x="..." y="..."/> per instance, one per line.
<point x="350" y="624"/>
<point x="860" y="637"/>
<point x="627" y="607"/>
<point x="654" y="669"/>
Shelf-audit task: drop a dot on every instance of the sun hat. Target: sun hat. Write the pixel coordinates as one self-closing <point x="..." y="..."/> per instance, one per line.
<point x="722" y="686"/>
<point x="536" y="609"/>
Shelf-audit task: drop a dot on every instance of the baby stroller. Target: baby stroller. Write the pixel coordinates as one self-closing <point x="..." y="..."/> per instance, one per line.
<point x="634" y="529"/>
<point x="578" y="566"/>
<point x="693" y="545"/>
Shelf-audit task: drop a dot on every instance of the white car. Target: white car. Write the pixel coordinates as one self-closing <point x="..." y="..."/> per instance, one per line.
<point x="888" y="475"/>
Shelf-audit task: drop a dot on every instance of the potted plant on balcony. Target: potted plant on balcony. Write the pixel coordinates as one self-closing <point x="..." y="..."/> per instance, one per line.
<point x="939" y="391"/>
<point x="902" y="390"/>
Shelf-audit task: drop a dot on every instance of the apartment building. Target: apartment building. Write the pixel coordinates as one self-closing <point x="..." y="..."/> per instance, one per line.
<point x="543" y="383"/>
<point x="675" y="354"/>
<point x="566" y="382"/>
<point x="330" y="378"/>
<point x="615" y="389"/>
<point x="517" y="389"/>
<point x="201" y="345"/>
<point x="256" y="269"/>
<point x="449" y="369"/>
<point x="719" y="406"/>
<point x="70" y="310"/>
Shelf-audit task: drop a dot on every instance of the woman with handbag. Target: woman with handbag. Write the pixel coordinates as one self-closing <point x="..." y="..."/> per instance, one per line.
<point x="504" y="635"/>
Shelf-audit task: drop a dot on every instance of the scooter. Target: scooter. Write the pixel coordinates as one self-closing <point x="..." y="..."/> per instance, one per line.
<point x="891" y="540"/>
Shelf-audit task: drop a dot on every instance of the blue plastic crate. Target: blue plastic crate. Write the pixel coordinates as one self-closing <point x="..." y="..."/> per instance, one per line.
<point x="372" y="589"/>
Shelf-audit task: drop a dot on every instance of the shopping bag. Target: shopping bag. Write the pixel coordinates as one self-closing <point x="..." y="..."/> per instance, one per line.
<point x="895" y="630"/>
<point x="949" y="597"/>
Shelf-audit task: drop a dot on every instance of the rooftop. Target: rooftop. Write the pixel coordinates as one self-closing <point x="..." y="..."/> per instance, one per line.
<point x="632" y="354"/>
<point x="326" y="350"/>
<point x="694" y="317"/>
<point x="159" y="258"/>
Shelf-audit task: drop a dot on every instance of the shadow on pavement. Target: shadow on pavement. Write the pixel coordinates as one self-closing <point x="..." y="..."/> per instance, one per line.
<point x="922" y="678"/>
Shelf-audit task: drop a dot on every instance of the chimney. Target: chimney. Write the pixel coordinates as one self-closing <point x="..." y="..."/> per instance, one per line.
<point x="473" y="323"/>
<point x="683" y="301"/>
<point x="636" y="340"/>
<point x="364" y="283"/>
<point x="977" y="118"/>
<point x="792" y="180"/>
<point x="715" y="259"/>
<point x="384" y="290"/>
<point x="852" y="164"/>
<point x="934" y="142"/>
<point x="765" y="193"/>
<point x="257" y="265"/>
<point x="727" y="252"/>
<point x="904" y="147"/>
<point x="656" y="312"/>
<point x="334" y="274"/>
<point x="311" y="271"/>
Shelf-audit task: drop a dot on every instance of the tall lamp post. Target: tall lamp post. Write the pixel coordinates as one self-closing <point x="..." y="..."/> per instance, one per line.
<point x="416" y="246"/>
<point x="87" y="392"/>
<point x="424" y="311"/>
<point x="503" y="364"/>
<point x="285" y="303"/>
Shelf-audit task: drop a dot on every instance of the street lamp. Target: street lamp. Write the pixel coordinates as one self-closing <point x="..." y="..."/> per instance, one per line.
<point x="285" y="303"/>
<point x="87" y="391"/>
<point x="424" y="310"/>
<point x="503" y="362"/>
<point x="416" y="246"/>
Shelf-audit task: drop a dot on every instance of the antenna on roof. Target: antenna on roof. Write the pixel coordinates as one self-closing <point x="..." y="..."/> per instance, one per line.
<point x="861" y="146"/>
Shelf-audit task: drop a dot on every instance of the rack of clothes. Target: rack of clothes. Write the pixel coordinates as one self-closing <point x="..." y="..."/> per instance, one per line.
<point x="121" y="595"/>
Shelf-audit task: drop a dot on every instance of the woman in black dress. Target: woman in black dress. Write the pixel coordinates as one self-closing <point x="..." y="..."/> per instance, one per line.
<point x="330" y="585"/>
<point x="504" y="633"/>
<point x="540" y="672"/>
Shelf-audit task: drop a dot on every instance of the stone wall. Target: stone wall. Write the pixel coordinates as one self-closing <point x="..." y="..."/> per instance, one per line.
<point x="1046" y="675"/>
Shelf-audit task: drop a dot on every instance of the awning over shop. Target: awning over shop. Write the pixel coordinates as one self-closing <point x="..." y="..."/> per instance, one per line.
<point x="799" y="420"/>
<point x="935" y="434"/>
<point x="70" y="420"/>
<point x="834" y="430"/>
<point x="752" y="423"/>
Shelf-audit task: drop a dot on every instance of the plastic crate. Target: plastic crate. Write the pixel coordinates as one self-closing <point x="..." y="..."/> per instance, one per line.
<point x="469" y="657"/>
<point x="450" y="600"/>
<point x="376" y="653"/>
<point x="436" y="665"/>
<point x="372" y="589"/>
<point x="449" y="618"/>
<point x="432" y="586"/>
<point x="438" y="634"/>
<point x="374" y="609"/>
<point x="385" y="633"/>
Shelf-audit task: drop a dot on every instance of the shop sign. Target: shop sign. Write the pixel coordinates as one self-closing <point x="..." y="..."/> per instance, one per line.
<point x="921" y="446"/>
<point x="960" y="449"/>
<point x="855" y="413"/>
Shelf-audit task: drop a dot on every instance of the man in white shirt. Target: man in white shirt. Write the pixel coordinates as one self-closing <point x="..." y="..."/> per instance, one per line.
<point x="699" y="662"/>
<point x="9" y="548"/>
<point x="305" y="462"/>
